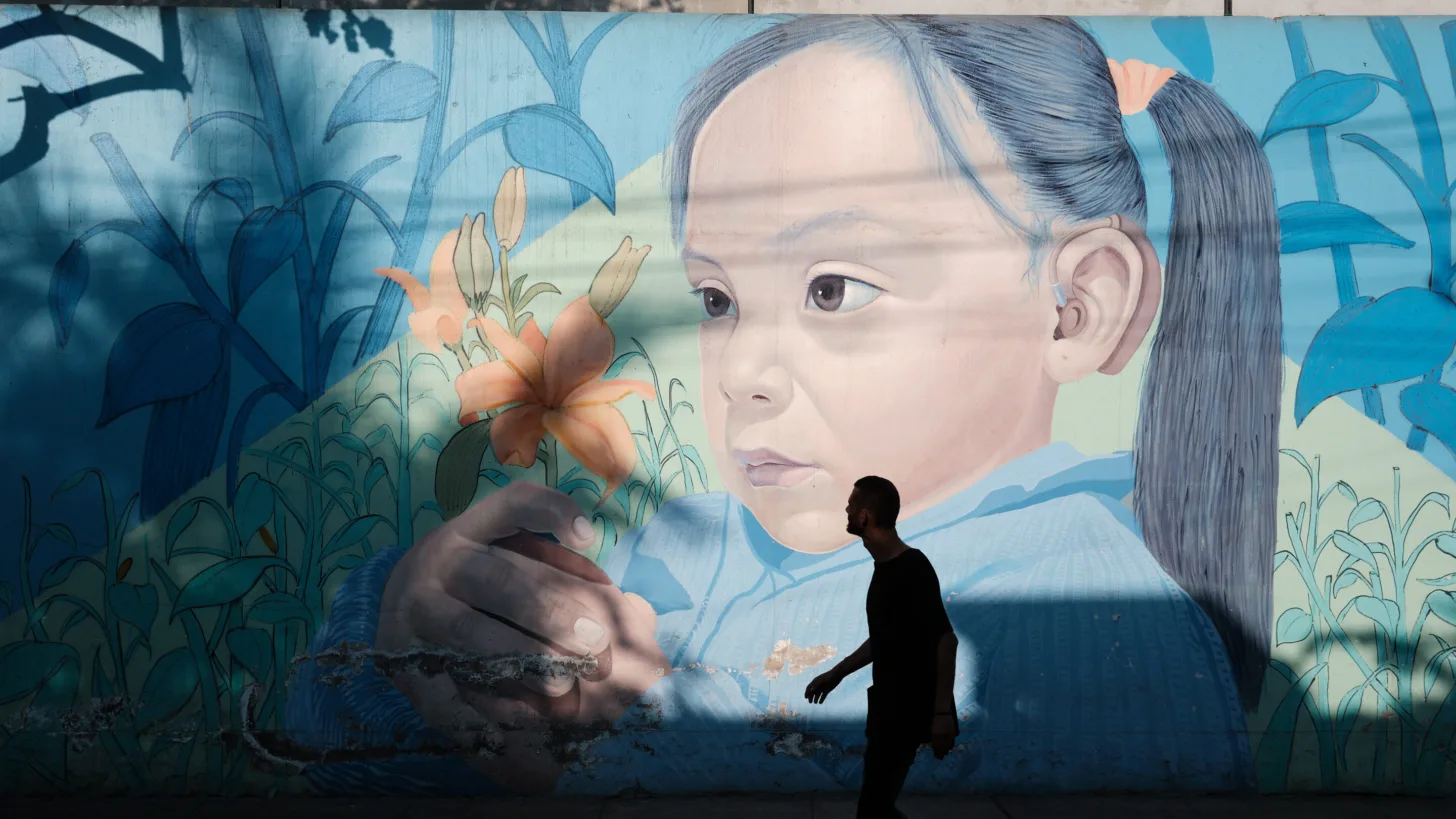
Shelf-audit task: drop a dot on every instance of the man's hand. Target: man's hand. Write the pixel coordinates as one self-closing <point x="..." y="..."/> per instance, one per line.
<point x="943" y="730"/>
<point x="821" y="685"/>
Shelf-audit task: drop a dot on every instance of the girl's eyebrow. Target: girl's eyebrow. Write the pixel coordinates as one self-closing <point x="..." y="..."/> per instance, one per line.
<point x="825" y="221"/>
<point x="692" y="255"/>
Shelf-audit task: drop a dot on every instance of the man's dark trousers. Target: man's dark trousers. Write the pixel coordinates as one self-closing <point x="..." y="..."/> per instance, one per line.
<point x="887" y="762"/>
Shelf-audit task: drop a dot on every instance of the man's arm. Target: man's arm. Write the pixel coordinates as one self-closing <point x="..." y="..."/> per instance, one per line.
<point x="945" y="664"/>
<point x="857" y="659"/>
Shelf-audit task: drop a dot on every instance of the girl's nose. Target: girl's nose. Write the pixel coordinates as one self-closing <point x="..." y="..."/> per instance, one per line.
<point x="752" y="371"/>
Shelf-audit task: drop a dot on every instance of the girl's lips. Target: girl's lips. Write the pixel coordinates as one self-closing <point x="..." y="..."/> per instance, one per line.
<point x="765" y="467"/>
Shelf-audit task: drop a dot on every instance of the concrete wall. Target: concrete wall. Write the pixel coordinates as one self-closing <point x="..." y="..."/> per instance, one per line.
<point x="311" y="314"/>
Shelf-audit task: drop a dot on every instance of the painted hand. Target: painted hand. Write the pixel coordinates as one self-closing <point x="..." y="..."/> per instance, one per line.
<point x="820" y="686"/>
<point x="943" y="730"/>
<point x="524" y="637"/>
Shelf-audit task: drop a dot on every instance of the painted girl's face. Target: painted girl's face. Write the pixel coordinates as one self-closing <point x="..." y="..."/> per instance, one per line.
<point x="865" y="312"/>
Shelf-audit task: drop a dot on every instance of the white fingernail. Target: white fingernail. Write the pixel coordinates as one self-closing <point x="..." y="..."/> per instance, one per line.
<point x="582" y="528"/>
<point x="589" y="631"/>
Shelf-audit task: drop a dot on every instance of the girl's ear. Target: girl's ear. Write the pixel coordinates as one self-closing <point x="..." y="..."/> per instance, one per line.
<point x="1111" y="283"/>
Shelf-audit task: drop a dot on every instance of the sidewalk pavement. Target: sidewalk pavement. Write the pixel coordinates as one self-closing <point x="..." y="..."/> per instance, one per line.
<point x="736" y="806"/>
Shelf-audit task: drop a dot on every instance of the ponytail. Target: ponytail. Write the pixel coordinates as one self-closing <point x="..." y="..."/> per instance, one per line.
<point x="1206" y="452"/>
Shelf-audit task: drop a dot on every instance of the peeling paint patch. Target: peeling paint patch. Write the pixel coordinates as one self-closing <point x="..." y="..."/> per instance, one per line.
<point x="785" y="654"/>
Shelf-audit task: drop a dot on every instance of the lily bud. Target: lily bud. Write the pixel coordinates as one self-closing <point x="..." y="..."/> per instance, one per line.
<point x="616" y="277"/>
<point x="510" y="207"/>
<point x="474" y="262"/>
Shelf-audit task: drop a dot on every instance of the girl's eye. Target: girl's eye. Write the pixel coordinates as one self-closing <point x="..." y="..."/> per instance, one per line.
<point x="838" y="294"/>
<point x="716" y="303"/>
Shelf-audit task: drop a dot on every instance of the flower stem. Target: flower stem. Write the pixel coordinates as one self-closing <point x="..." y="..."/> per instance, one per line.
<point x="549" y="461"/>
<point x="506" y="300"/>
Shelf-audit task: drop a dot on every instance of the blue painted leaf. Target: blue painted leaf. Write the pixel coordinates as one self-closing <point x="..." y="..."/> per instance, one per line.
<point x="254" y="505"/>
<point x="377" y="472"/>
<point x="1323" y="98"/>
<point x="356" y="531"/>
<point x="182" y="438"/>
<point x="1434" y="666"/>
<point x="59" y="571"/>
<point x="277" y="607"/>
<point x="1432" y="407"/>
<point x="384" y="91"/>
<point x="29" y="668"/>
<point x="1364" y="512"/>
<point x="1345" y="717"/>
<point x="1447" y="544"/>
<point x="551" y="139"/>
<point x="1383" y="613"/>
<point x="1187" y="39"/>
<point x="68" y="282"/>
<point x="1354" y="547"/>
<point x="1443" y="605"/>
<point x="169" y="686"/>
<point x="1347" y="578"/>
<point x="351" y="442"/>
<point x="1443" y="580"/>
<point x="1271" y="759"/>
<point x="1404" y="334"/>
<point x="348" y="562"/>
<point x="253" y="647"/>
<point x="1293" y="626"/>
<point x="264" y="241"/>
<point x="134" y="604"/>
<point x="1310" y="225"/>
<point x="5" y="596"/>
<point x="170" y="351"/>
<point x="225" y="582"/>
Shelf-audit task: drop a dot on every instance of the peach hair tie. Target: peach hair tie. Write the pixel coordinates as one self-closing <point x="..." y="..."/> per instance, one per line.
<point x="1136" y="83"/>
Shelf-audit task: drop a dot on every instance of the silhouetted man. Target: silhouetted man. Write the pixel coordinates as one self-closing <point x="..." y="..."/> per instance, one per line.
<point x="911" y="646"/>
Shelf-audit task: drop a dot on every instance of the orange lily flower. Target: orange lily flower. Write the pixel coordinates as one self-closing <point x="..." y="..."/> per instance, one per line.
<point x="440" y="311"/>
<point x="555" y="386"/>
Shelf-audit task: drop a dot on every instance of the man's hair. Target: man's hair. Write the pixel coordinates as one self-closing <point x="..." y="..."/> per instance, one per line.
<point x="881" y="498"/>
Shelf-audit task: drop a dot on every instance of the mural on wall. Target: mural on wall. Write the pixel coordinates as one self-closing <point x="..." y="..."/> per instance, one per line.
<point x="480" y="411"/>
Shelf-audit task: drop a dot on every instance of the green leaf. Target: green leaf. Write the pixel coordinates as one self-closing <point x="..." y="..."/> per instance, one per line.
<point x="76" y="618"/>
<point x="1383" y="613"/>
<point x="134" y="604"/>
<point x="58" y="572"/>
<point x="181" y="519"/>
<point x="1443" y="605"/>
<point x="1280" y="558"/>
<point x="1365" y="511"/>
<point x="341" y="469"/>
<point x="253" y="647"/>
<point x="1345" y="716"/>
<point x="426" y="440"/>
<point x="458" y="469"/>
<point x="533" y="291"/>
<point x="1294" y="626"/>
<point x="1271" y="759"/>
<point x="276" y="608"/>
<point x="1347" y="578"/>
<point x="29" y="668"/>
<point x="1353" y="546"/>
<point x="380" y="435"/>
<point x="367" y="377"/>
<point x="377" y="472"/>
<point x="1443" y="580"/>
<point x="1345" y="489"/>
<point x="356" y="531"/>
<point x="1433" y="667"/>
<point x="169" y="686"/>
<point x="1446" y="542"/>
<point x="351" y="442"/>
<point x="225" y="582"/>
<point x="349" y="562"/>
<point x="254" y="505"/>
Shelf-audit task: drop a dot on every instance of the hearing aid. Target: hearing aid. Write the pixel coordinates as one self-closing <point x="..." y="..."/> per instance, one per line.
<point x="1072" y="313"/>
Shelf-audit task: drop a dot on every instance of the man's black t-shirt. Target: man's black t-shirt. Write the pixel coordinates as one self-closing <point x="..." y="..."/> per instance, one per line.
<point x="907" y="619"/>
